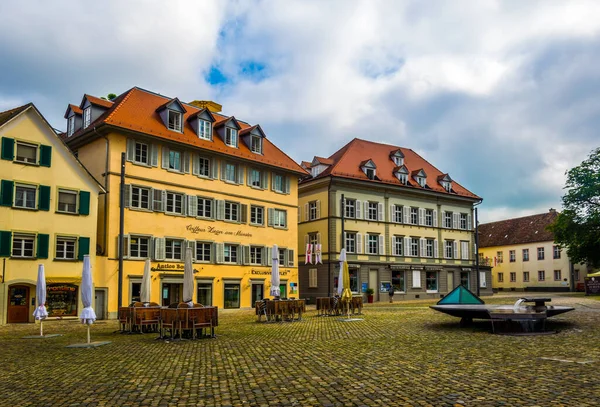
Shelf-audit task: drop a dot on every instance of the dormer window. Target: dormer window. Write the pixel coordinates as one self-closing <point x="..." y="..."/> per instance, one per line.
<point x="370" y="172"/>
<point x="87" y="116"/>
<point x="231" y="137"/>
<point x="421" y="181"/>
<point x="174" y="120"/>
<point x="204" y="129"/>
<point x="420" y="177"/>
<point x="71" y="126"/>
<point x="403" y="178"/>
<point x="401" y="173"/>
<point x="397" y="157"/>
<point x="446" y="185"/>
<point x="446" y="182"/>
<point x="369" y="168"/>
<point x="256" y="144"/>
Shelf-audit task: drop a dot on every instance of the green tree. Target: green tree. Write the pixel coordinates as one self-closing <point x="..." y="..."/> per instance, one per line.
<point x="577" y="227"/>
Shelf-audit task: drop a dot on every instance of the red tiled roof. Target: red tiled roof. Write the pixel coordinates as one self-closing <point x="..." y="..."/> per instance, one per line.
<point x="9" y="114"/>
<point x="305" y="164"/>
<point x="135" y="110"/>
<point x="528" y="229"/>
<point x="76" y="109"/>
<point x="98" y="101"/>
<point x="346" y="164"/>
<point x="325" y="161"/>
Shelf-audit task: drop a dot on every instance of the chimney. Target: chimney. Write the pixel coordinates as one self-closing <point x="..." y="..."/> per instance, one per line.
<point x="208" y="104"/>
<point x="552" y="210"/>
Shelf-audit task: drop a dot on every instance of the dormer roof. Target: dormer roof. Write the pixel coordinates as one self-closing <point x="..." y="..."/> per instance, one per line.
<point x="202" y="113"/>
<point x="305" y="164"/>
<point x="256" y="130"/>
<point x="397" y="153"/>
<point x="320" y="160"/>
<point x="368" y="163"/>
<point x="228" y="121"/>
<point x="169" y="103"/>
<point x="95" y="101"/>
<point x="419" y="173"/>
<point x="401" y="169"/>
<point x="74" y="109"/>
<point x="444" y="177"/>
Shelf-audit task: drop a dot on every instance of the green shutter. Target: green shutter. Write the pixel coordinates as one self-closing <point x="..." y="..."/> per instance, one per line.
<point x="8" y="148"/>
<point x="45" y="155"/>
<point x="6" y="193"/>
<point x="44" y="201"/>
<point x="5" y="242"/>
<point x="84" y="203"/>
<point x="84" y="247"/>
<point x="42" y="246"/>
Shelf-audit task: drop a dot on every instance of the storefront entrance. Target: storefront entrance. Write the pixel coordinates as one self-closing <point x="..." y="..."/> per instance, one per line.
<point x="257" y="293"/>
<point x="18" y="304"/>
<point x="171" y="293"/>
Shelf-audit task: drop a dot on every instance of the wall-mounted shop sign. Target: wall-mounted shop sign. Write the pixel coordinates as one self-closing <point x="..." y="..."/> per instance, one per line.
<point x="417" y="267"/>
<point x="198" y="229"/>
<point x="268" y="272"/>
<point x="434" y="268"/>
<point x="467" y="269"/>
<point x="170" y="267"/>
<point x="400" y="267"/>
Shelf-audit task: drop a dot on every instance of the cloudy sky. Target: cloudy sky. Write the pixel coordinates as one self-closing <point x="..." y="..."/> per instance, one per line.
<point x="502" y="95"/>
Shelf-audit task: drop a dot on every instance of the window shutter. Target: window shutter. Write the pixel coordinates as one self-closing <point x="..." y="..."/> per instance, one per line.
<point x="220" y="249"/>
<point x="392" y="210"/>
<point x="380" y="212"/>
<point x="464" y="250"/>
<point x="44" y="198"/>
<point x="223" y="169"/>
<point x="84" y="202"/>
<point x="246" y="255"/>
<point x="381" y="246"/>
<point x="6" y="192"/>
<point x="357" y="211"/>
<point x="157" y="200"/>
<point x="306" y="237"/>
<point x="366" y="243"/>
<point x="393" y="245"/>
<point x="42" y="246"/>
<point x="192" y="205"/>
<point x="271" y="213"/>
<point x="416" y="277"/>
<point x="421" y="216"/>
<point x="159" y="248"/>
<point x="248" y="173"/>
<point x="186" y="162"/>
<point x="455" y="249"/>
<point x="422" y="248"/>
<point x="163" y="198"/>
<point x="405" y="215"/>
<point x="130" y="149"/>
<point x="286" y="181"/>
<point x="165" y="157"/>
<point x="269" y="256"/>
<point x="444" y="219"/>
<point x="469" y="222"/>
<point x="127" y="200"/>
<point x="220" y="209"/>
<point x="125" y="246"/>
<point x="264" y="183"/>
<point x="8" y="149"/>
<point x="240" y="174"/>
<point x="455" y="220"/>
<point x="306" y="212"/>
<point x="407" y="247"/>
<point x="435" y="219"/>
<point x="192" y="245"/>
<point x="195" y="164"/>
<point x="83" y="247"/>
<point x="482" y="282"/>
<point x="244" y="213"/>
<point x="359" y="248"/>
<point x="45" y="156"/>
<point x="318" y="209"/>
<point x="436" y="249"/>
<point x="214" y="169"/>
<point x="154" y="155"/>
<point x="5" y="243"/>
<point x="213" y="250"/>
<point x="290" y="258"/>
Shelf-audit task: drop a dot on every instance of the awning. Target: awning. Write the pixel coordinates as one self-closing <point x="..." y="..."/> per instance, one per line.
<point x="63" y="280"/>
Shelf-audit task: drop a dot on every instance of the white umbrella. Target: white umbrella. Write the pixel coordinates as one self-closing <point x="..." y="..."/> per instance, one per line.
<point x="88" y="316"/>
<point x="275" y="272"/>
<point x="342" y="259"/>
<point x="146" y="289"/>
<point x="40" y="312"/>
<point x="188" y="277"/>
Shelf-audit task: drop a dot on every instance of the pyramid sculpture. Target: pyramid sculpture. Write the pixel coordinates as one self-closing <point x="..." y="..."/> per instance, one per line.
<point x="460" y="295"/>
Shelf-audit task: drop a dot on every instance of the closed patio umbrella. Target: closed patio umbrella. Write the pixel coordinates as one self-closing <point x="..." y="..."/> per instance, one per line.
<point x="346" y="293"/>
<point x="188" y="277"/>
<point x="40" y="312"/>
<point x="146" y="289"/>
<point x="87" y="316"/>
<point x="275" y="292"/>
<point x="340" y="285"/>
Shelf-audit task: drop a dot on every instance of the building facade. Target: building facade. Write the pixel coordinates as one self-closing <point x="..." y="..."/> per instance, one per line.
<point x="402" y="222"/>
<point x="524" y="256"/>
<point x="193" y="178"/>
<point x="48" y="210"/>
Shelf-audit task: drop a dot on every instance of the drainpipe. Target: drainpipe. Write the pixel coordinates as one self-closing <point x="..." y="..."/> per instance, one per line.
<point x="329" y="240"/>
<point x="477" y="277"/>
<point x="121" y="229"/>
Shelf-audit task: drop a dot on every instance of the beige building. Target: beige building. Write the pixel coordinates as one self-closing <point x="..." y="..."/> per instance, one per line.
<point x="524" y="256"/>
<point x="402" y="222"/>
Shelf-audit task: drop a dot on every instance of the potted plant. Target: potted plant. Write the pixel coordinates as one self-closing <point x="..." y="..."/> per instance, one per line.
<point x="370" y="293"/>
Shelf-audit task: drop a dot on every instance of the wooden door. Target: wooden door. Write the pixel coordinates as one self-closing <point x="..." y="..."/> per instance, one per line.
<point x="18" y="304"/>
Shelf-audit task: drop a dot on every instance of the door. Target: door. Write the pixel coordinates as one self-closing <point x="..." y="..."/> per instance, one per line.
<point x="18" y="304"/>
<point x="257" y="293"/>
<point x="100" y="302"/>
<point x="464" y="279"/>
<point x="172" y="293"/>
<point x="373" y="284"/>
<point x="283" y="290"/>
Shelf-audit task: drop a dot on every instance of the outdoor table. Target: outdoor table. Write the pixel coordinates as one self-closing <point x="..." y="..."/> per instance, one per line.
<point x="189" y="319"/>
<point x="281" y="309"/>
<point x="333" y="305"/>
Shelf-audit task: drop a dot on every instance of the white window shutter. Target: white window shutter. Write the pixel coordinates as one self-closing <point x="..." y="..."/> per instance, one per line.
<point x="455" y="219"/>
<point x="366" y="243"/>
<point x="306" y="214"/>
<point x="270" y="215"/>
<point x="416" y="277"/>
<point x="444" y="219"/>
<point x="240" y="174"/>
<point x="130" y="149"/>
<point x="220" y="253"/>
<point x="286" y="181"/>
<point x="406" y="215"/>
<point x="392" y="212"/>
<point x="407" y="246"/>
<point x="422" y="248"/>
<point x="192" y="205"/>
<point x="469" y="222"/>
<point x="381" y="246"/>
<point x="306" y="237"/>
<point x="223" y="170"/>
<point x="455" y="249"/>
<point x="290" y="258"/>
<point x="318" y="209"/>
<point x="195" y="164"/>
<point x="435" y="219"/>
<point x="214" y="169"/>
<point x="357" y="211"/>
<point x="465" y="251"/>
<point x="164" y="200"/>
<point x="421" y="216"/>
<point x="393" y="245"/>
<point x="264" y="179"/>
<point x="186" y="162"/>
<point x="436" y="249"/>
<point x="359" y="243"/>
<point x="165" y="157"/>
<point x="192" y="245"/>
<point x="154" y="155"/>
<point x="159" y="248"/>
<point x="319" y="238"/>
<point x="269" y="256"/>
<point x="482" y="282"/>
<point x="220" y="209"/>
<point x="380" y="212"/>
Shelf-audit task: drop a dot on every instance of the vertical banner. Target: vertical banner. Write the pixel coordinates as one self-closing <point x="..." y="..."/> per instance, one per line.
<point x="309" y="253"/>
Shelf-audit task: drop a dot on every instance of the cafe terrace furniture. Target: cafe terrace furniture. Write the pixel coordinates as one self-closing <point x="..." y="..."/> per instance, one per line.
<point x="329" y="306"/>
<point x="179" y="320"/>
<point x="281" y="310"/>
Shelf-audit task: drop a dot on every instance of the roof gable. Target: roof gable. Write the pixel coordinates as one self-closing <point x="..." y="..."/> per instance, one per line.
<point x="95" y="101"/>
<point x="368" y="164"/>
<point x="203" y="114"/>
<point x="255" y="130"/>
<point x="73" y="109"/>
<point x="173" y="104"/>
<point x="228" y="122"/>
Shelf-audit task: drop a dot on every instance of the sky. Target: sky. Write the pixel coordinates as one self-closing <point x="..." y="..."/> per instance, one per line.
<point x="502" y="95"/>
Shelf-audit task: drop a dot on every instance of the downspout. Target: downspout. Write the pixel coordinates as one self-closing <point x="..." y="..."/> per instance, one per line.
<point x="477" y="276"/>
<point x="329" y="240"/>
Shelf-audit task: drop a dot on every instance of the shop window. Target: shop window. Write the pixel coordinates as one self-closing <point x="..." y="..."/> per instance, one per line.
<point x="61" y="300"/>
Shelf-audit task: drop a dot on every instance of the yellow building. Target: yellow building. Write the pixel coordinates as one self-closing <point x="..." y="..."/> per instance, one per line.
<point x="524" y="256"/>
<point x="193" y="178"/>
<point x="402" y="222"/>
<point x="48" y="209"/>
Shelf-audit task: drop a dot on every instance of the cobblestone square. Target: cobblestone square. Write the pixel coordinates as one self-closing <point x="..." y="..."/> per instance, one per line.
<point x="401" y="354"/>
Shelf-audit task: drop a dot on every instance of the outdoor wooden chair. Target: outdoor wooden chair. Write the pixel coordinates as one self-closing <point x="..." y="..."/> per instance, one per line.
<point x="168" y="320"/>
<point x="261" y="309"/>
<point x="147" y="317"/>
<point x="201" y="318"/>
<point x="124" y="319"/>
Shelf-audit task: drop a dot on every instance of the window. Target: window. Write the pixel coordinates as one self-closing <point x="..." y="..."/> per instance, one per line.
<point x="556" y="251"/>
<point x="463" y="221"/>
<point x="312" y="278"/>
<point x="203" y="251"/>
<point x="174" y="203"/>
<point x="256" y="144"/>
<point x="541" y="275"/>
<point x="279" y="218"/>
<point x="403" y="178"/>
<point x="557" y="276"/>
<point x="431" y="280"/>
<point x="372" y="244"/>
<point x="421" y="181"/>
<point x="540" y="252"/>
<point x="204" y="207"/>
<point x="500" y="257"/>
<point x="512" y="256"/>
<point x="500" y="277"/>
<point x="448" y="220"/>
<point x="256" y="179"/>
<point x="232" y="210"/>
<point x="397" y="214"/>
<point x="230" y="253"/>
<point x="71" y="126"/>
<point x="525" y="254"/>
<point x="25" y="196"/>
<point x="174" y="120"/>
<point x="282" y="257"/>
<point x="230" y="172"/>
<point x="464" y="279"/>
<point x="231" y="137"/>
<point x="23" y="245"/>
<point x="398" y="247"/>
<point x="278" y="182"/>
<point x="173" y="249"/>
<point x="135" y="289"/>
<point x="205" y="293"/>
<point x="414" y="216"/>
<point x="370" y="172"/>
<point x="141" y="155"/>
<point x="203" y="167"/>
<point x="26" y="153"/>
<point x="449" y="249"/>
<point x="429" y="247"/>
<point x="372" y="213"/>
<point x="398" y="160"/>
<point x="175" y="160"/>
<point x="257" y="215"/>
<point x="231" y="296"/>
<point x="65" y="248"/>
<point x="513" y="277"/>
<point x="414" y="247"/>
<point x="353" y="280"/>
<point x="139" y="247"/>
<point x="464" y="250"/>
<point x="312" y="210"/>
<point x="350" y="208"/>
<point x="526" y="276"/>
<point x="67" y="201"/>
<point x="447" y="185"/>
<point x="399" y="281"/>
<point x="204" y="129"/>
<point x="428" y="217"/>
<point x="313" y="238"/>
<point x="350" y="242"/>
<point x="140" y="198"/>
<point x="256" y="255"/>
<point x="87" y="116"/>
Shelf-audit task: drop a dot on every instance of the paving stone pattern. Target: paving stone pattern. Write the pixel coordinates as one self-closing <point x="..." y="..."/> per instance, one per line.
<point x="402" y="354"/>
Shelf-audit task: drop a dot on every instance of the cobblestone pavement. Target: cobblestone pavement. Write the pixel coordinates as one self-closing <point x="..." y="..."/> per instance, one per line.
<point x="401" y="354"/>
